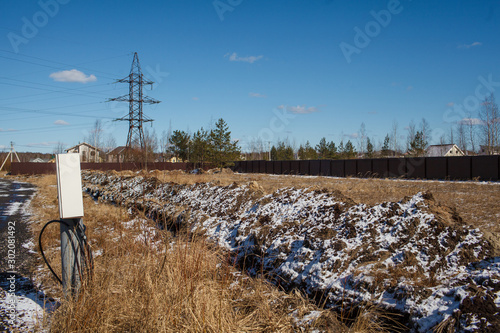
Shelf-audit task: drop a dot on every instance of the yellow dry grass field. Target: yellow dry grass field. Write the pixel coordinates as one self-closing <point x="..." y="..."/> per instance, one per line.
<point x="148" y="280"/>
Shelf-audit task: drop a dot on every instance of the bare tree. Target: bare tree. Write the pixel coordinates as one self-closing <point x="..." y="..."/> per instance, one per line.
<point x="94" y="138"/>
<point x="165" y="143"/>
<point x="411" y="135"/>
<point x="425" y="129"/>
<point x="442" y="140"/>
<point x="451" y="137"/>
<point x="490" y="118"/>
<point x="59" y="148"/>
<point x="471" y="131"/>
<point x="151" y="141"/>
<point x="109" y="143"/>
<point x="362" y="138"/>
<point x="394" y="136"/>
<point x="461" y="136"/>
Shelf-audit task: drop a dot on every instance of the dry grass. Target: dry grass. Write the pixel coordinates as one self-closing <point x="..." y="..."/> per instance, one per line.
<point x="145" y="280"/>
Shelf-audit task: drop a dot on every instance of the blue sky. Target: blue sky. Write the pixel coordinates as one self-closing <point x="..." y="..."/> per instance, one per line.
<point x="296" y="70"/>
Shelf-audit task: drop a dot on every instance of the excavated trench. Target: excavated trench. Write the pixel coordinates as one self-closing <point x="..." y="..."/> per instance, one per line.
<point x="414" y="257"/>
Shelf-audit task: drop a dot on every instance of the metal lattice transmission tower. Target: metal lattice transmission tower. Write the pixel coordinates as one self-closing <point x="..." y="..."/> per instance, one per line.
<point x="135" y="98"/>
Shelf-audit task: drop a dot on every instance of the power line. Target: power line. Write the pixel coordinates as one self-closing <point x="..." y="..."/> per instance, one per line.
<point x="45" y="89"/>
<point x="48" y="66"/>
<point x="65" y="64"/>
<point x="47" y="129"/>
<point x="68" y="90"/>
<point x="44" y="111"/>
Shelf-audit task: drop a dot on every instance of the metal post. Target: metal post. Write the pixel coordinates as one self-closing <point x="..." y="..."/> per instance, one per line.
<point x="72" y="230"/>
<point x="71" y="258"/>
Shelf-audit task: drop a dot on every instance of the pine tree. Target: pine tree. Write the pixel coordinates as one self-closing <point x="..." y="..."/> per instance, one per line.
<point x="341" y="149"/>
<point x="301" y="153"/>
<point x="369" y="148"/>
<point x="179" y="144"/>
<point x="274" y="154"/>
<point x="223" y="149"/>
<point x="310" y="153"/>
<point x="418" y="144"/>
<point x="284" y="152"/>
<point x="323" y="149"/>
<point x="349" y="150"/>
<point x="385" y="147"/>
<point x="200" y="147"/>
<point x="332" y="150"/>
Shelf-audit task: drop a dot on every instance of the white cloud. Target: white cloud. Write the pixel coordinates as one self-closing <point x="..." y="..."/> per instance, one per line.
<point x="468" y="46"/>
<point x="60" y="122"/>
<point x="72" y="76"/>
<point x="249" y="59"/>
<point x="256" y="95"/>
<point x="471" y="121"/>
<point x="301" y="109"/>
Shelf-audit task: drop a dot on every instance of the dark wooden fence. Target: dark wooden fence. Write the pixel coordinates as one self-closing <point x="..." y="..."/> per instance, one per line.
<point x="22" y="168"/>
<point x="445" y="168"/>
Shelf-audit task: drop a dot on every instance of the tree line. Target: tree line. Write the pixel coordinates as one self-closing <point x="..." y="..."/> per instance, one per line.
<point x="215" y="146"/>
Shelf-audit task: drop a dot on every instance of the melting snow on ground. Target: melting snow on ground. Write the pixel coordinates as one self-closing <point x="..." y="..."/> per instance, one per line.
<point x="414" y="256"/>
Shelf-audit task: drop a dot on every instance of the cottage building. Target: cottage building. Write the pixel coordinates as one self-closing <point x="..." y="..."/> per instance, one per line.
<point x="443" y="150"/>
<point x="88" y="153"/>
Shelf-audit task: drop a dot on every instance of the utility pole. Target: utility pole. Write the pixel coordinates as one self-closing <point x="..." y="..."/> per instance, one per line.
<point x="11" y="154"/>
<point x="135" y="98"/>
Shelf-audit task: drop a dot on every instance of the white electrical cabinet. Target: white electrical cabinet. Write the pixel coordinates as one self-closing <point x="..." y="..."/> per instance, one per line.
<point x="69" y="186"/>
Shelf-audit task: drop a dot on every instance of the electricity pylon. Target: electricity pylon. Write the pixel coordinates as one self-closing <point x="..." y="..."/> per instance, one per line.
<point x="135" y="98"/>
<point x="11" y="154"/>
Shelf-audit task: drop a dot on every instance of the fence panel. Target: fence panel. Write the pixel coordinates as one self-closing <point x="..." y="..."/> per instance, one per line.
<point x="277" y="167"/>
<point x="459" y="168"/>
<point x="380" y="167"/>
<point x="32" y="168"/>
<point x="304" y="167"/>
<point x="238" y="166"/>
<point x="255" y="166"/>
<point x="269" y="167"/>
<point x="415" y="167"/>
<point x="294" y="167"/>
<point x="397" y="167"/>
<point x="262" y="166"/>
<point x="243" y="167"/>
<point x="286" y="167"/>
<point x="436" y="168"/>
<point x="485" y="167"/>
<point x="350" y="168"/>
<point x="325" y="167"/>
<point x="315" y="167"/>
<point x="337" y="168"/>
<point x="364" y="168"/>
